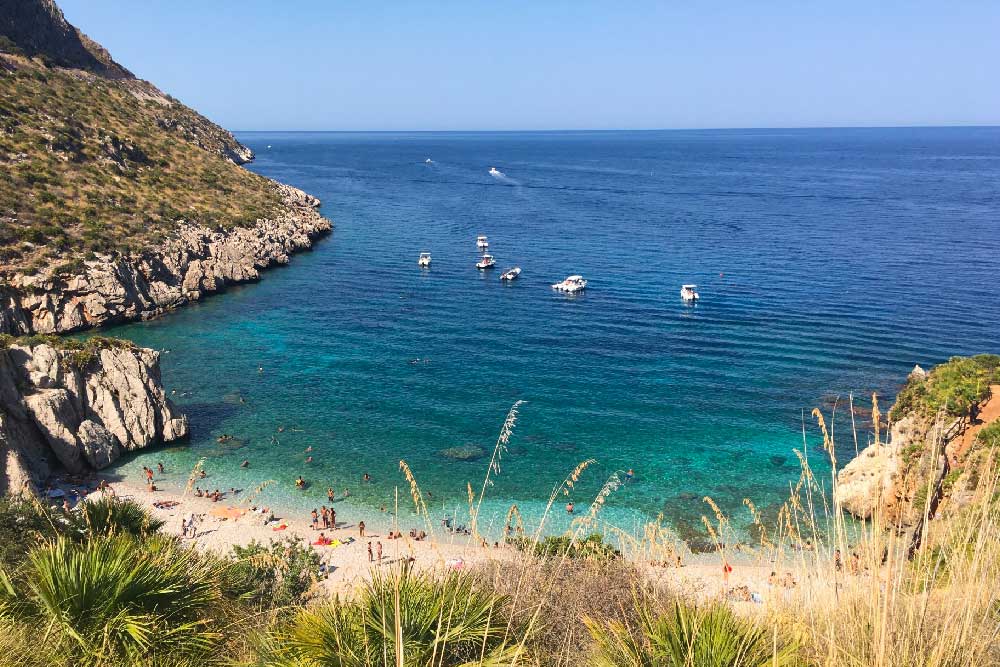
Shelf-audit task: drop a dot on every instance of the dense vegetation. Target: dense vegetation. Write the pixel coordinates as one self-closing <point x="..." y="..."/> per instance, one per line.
<point x="89" y="165"/>
<point x="954" y="388"/>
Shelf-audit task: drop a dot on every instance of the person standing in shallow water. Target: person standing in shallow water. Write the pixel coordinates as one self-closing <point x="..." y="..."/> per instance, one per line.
<point x="361" y="528"/>
<point x="370" y="558"/>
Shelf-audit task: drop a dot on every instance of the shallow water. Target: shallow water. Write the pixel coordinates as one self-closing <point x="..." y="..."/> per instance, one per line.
<point x="828" y="262"/>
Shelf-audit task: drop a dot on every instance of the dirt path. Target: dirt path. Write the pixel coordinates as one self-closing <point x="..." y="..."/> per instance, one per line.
<point x="989" y="414"/>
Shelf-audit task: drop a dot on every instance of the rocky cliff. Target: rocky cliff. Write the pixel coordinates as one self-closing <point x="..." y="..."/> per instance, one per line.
<point x="933" y="454"/>
<point x="194" y="262"/>
<point x="76" y="406"/>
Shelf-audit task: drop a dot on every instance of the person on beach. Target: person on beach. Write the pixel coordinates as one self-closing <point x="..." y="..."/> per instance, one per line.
<point x="333" y="518"/>
<point x="726" y="570"/>
<point x="315" y="520"/>
<point x="378" y="552"/>
<point x="569" y="507"/>
<point x="149" y="474"/>
<point x="159" y="466"/>
<point x="370" y="558"/>
<point x="347" y="492"/>
<point x="330" y="494"/>
<point x="325" y="516"/>
<point x="361" y="528"/>
<point x="300" y="483"/>
<point x="838" y="564"/>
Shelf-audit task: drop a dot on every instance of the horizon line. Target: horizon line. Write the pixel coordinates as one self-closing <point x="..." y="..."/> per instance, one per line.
<point x="664" y="129"/>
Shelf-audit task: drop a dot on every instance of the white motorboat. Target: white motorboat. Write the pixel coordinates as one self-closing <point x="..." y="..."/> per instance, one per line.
<point x="495" y="172"/>
<point x="688" y="293"/>
<point x="482" y="243"/>
<point x="571" y="284"/>
<point x="511" y="274"/>
<point x="424" y="259"/>
<point x="486" y="262"/>
<point x="429" y="161"/>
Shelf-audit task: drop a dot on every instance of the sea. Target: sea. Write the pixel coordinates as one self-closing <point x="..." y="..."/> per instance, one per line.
<point x="828" y="261"/>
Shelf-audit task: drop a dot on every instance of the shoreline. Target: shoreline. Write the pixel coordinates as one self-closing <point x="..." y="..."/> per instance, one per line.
<point x="348" y="565"/>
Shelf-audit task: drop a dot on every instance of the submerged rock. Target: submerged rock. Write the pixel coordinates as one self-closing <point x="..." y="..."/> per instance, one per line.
<point x="464" y="453"/>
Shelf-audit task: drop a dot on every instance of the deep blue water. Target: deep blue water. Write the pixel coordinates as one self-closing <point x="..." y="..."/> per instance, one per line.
<point x="828" y="262"/>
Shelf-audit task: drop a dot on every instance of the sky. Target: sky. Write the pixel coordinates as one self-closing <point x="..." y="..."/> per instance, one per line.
<point x="536" y="65"/>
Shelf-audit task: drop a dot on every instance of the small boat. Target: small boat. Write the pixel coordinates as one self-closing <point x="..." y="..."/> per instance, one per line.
<point x="429" y="161"/>
<point x="688" y="293"/>
<point x="511" y="274"/>
<point x="482" y="243"/>
<point x="486" y="262"/>
<point x="571" y="284"/>
<point x="424" y="259"/>
<point x="495" y="172"/>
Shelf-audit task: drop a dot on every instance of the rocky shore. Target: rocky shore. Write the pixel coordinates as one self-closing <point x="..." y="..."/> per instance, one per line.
<point x="194" y="262"/>
<point x="77" y="406"/>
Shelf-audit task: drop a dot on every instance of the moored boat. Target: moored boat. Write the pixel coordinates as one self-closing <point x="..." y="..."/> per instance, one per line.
<point x="571" y="284"/>
<point x="689" y="293"/>
<point x="482" y="243"/>
<point x="487" y="262"/>
<point x="511" y="274"/>
<point x="424" y="259"/>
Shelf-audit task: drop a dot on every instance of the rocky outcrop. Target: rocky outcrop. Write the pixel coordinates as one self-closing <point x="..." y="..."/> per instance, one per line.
<point x="196" y="261"/>
<point x="78" y="409"/>
<point x="888" y="478"/>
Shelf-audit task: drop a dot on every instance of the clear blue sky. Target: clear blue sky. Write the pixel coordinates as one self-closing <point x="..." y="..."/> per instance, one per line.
<point x="465" y="64"/>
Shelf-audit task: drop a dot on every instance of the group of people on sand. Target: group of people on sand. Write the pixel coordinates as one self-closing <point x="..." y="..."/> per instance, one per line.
<point x="325" y="518"/>
<point x="215" y="496"/>
<point x="788" y="581"/>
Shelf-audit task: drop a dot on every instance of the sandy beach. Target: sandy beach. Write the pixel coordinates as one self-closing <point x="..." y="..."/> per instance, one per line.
<point x="221" y="525"/>
<point x="348" y="563"/>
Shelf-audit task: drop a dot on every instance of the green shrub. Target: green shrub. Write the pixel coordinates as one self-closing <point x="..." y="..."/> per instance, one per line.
<point x="689" y="636"/>
<point x="593" y="546"/>
<point x="279" y="574"/>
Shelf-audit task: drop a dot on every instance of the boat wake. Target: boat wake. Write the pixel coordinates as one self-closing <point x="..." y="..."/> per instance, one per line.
<point x="502" y="177"/>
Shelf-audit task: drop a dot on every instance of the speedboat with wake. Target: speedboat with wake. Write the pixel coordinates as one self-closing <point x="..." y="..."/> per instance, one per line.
<point x="511" y="274"/>
<point x="571" y="285"/>
<point x="495" y="172"/>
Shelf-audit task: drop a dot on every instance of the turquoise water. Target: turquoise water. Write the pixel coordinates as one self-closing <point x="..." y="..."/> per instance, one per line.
<point x="828" y="262"/>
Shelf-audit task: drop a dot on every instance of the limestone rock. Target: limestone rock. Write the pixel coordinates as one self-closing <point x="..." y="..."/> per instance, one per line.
<point x="867" y="481"/>
<point x="55" y="412"/>
<point x="98" y="446"/>
<point x="194" y="262"/>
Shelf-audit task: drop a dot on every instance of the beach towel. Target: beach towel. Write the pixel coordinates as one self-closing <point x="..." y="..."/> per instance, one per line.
<point x="228" y="512"/>
<point x="281" y="527"/>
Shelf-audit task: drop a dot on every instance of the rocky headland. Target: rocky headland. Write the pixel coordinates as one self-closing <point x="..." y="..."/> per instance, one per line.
<point x="77" y="406"/>
<point x="194" y="262"/>
<point x="117" y="201"/>
<point x="942" y="431"/>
